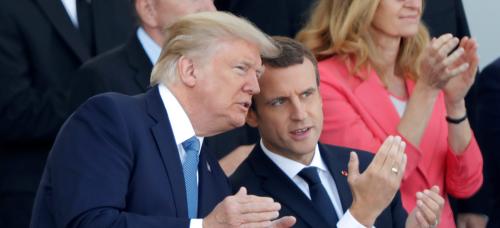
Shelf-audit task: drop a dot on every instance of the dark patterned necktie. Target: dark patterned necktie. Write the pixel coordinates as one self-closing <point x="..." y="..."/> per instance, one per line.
<point x="319" y="196"/>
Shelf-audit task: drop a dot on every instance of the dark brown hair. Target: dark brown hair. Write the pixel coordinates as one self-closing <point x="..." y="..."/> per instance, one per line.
<point x="291" y="52"/>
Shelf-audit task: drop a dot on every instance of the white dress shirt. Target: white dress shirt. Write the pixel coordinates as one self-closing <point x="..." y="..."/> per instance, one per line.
<point x="292" y="168"/>
<point x="70" y="6"/>
<point x="181" y="128"/>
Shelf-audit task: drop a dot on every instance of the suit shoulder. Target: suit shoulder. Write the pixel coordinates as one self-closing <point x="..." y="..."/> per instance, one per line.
<point x="492" y="70"/>
<point x="112" y="100"/>
<point x="347" y="150"/>
<point x="364" y="157"/>
<point x="488" y="80"/>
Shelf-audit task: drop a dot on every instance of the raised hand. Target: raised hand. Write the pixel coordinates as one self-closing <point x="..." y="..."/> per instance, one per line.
<point x="428" y="211"/>
<point x="243" y="210"/>
<point x="374" y="189"/>
<point x="458" y="86"/>
<point x="437" y="67"/>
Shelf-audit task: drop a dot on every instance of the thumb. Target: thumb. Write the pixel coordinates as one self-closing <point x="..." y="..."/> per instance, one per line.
<point x="284" y="222"/>
<point x="435" y="189"/>
<point x="353" y="167"/>
<point x="241" y="192"/>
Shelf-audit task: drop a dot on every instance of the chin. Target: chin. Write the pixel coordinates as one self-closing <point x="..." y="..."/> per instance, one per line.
<point x="409" y="32"/>
<point x="238" y="121"/>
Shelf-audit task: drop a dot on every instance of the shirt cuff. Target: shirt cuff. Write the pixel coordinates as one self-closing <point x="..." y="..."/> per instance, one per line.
<point x="196" y="223"/>
<point x="348" y="221"/>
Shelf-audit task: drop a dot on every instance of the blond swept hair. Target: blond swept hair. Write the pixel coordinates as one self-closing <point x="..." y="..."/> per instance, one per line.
<point x="342" y="27"/>
<point x="197" y="35"/>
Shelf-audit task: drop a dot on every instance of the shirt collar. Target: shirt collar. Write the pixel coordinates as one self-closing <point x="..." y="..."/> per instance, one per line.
<point x="179" y="120"/>
<point x="151" y="48"/>
<point x="70" y="7"/>
<point x="290" y="167"/>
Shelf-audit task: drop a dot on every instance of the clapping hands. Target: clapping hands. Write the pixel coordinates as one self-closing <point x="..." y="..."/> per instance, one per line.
<point x="428" y="211"/>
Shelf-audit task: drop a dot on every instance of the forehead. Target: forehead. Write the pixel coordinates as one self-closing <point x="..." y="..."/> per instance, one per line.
<point x="291" y="79"/>
<point x="236" y="50"/>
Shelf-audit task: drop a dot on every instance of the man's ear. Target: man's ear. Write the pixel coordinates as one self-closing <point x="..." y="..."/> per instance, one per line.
<point x="186" y="71"/>
<point x="252" y="118"/>
<point x="146" y="12"/>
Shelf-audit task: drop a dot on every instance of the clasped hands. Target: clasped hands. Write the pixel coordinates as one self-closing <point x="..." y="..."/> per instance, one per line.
<point x="375" y="188"/>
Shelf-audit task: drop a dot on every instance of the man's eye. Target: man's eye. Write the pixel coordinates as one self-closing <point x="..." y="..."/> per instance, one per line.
<point x="241" y="68"/>
<point x="277" y="102"/>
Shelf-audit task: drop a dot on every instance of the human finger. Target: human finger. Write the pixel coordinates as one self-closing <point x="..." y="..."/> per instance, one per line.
<point x="259" y="217"/>
<point x="430" y="202"/>
<point x="448" y="46"/>
<point x="263" y="224"/>
<point x="429" y="211"/>
<point x="433" y="195"/>
<point x="398" y="158"/>
<point x="453" y="57"/>
<point x="241" y="192"/>
<point x="380" y="156"/>
<point x="421" y="220"/>
<point x="437" y="43"/>
<point x="390" y="163"/>
<point x="284" y="222"/>
<point x="457" y="70"/>
<point x="353" y="167"/>
<point x="402" y="166"/>
<point x="254" y="199"/>
<point x="256" y="207"/>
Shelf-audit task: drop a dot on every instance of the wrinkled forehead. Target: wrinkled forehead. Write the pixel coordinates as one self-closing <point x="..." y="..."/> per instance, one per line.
<point x="234" y="51"/>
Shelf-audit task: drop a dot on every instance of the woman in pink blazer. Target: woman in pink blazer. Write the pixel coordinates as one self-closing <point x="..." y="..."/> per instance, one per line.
<point x="382" y="75"/>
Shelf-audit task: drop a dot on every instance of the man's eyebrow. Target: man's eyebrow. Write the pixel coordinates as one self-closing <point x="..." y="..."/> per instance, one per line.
<point x="309" y="90"/>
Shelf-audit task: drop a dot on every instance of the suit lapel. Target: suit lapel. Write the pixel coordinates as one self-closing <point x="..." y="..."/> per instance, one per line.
<point x="213" y="183"/>
<point x="375" y="98"/>
<point x="205" y="184"/>
<point x="337" y="165"/>
<point x="165" y="141"/>
<point x="140" y="62"/>
<point x="59" y="18"/>
<point x="277" y="184"/>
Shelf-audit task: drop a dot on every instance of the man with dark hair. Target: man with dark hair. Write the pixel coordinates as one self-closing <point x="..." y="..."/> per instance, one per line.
<point x="320" y="184"/>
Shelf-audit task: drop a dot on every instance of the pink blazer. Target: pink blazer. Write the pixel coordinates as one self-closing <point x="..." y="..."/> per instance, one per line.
<point x="359" y="114"/>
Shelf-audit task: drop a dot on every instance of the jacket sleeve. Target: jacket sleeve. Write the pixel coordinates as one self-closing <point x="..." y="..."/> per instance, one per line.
<point x="464" y="173"/>
<point x="90" y="167"/>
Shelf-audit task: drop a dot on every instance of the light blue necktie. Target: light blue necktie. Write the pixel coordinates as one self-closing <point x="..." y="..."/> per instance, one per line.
<point x="190" y="166"/>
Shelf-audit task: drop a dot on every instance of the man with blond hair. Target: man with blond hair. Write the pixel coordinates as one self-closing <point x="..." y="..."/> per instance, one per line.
<point x="123" y="161"/>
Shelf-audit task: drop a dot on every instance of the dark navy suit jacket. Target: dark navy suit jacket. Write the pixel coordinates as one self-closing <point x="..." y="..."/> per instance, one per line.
<point x="263" y="177"/>
<point x="127" y="70"/>
<point x="115" y="163"/>
<point x="487" y="200"/>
